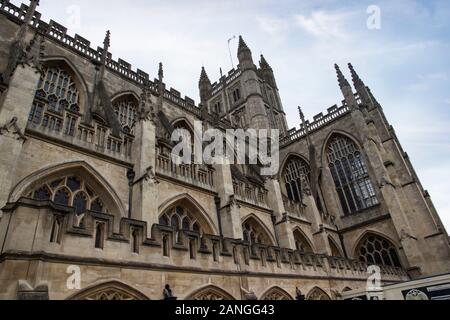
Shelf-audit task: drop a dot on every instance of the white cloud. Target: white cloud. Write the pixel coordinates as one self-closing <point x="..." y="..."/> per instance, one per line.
<point x="271" y="25"/>
<point x="324" y="24"/>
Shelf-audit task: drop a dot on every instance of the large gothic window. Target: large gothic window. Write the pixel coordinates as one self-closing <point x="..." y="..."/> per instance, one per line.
<point x="126" y="112"/>
<point x="71" y="191"/>
<point x="296" y="169"/>
<point x="375" y="250"/>
<point x="350" y="175"/>
<point x="57" y="102"/>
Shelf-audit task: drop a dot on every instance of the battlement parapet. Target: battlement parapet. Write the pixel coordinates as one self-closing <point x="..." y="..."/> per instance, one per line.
<point x="199" y="252"/>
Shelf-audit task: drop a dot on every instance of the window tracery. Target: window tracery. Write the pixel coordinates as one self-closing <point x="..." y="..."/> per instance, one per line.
<point x="180" y="219"/>
<point x="57" y="101"/>
<point x="71" y="191"/>
<point x="295" y="170"/>
<point x="126" y="112"/>
<point x="376" y="250"/>
<point x="254" y="233"/>
<point x="352" y="181"/>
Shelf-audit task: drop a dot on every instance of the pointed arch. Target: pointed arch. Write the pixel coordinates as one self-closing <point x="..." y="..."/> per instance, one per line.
<point x="276" y="293"/>
<point x="121" y="94"/>
<point x="111" y="290"/>
<point x="209" y="292"/>
<point x="302" y="242"/>
<point x="193" y="206"/>
<point x="375" y="248"/>
<point x="350" y="174"/>
<point x="184" y="122"/>
<point x="125" y="105"/>
<point x="77" y="76"/>
<point x="335" y="248"/>
<point x="288" y="157"/>
<point x="330" y="135"/>
<point x="252" y="223"/>
<point x="77" y="168"/>
<point x="317" y="294"/>
<point x="295" y="168"/>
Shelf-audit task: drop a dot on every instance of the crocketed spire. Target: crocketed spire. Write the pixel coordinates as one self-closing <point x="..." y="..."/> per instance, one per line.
<point x="355" y="77"/>
<point x="263" y="63"/>
<point x="341" y="79"/>
<point x="204" y="77"/>
<point x="160" y="71"/>
<point x="107" y="41"/>
<point x="242" y="45"/>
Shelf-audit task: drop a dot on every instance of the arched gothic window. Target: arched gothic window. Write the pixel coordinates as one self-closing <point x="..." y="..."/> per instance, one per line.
<point x="57" y="102"/>
<point x="180" y="219"/>
<point x="188" y="133"/>
<point x="210" y="293"/>
<point x="254" y="233"/>
<point x="71" y="191"/>
<point x="275" y="294"/>
<point x="375" y="250"/>
<point x="335" y="252"/>
<point x="295" y="170"/>
<point x="126" y="112"/>
<point x="109" y="291"/>
<point x="350" y="175"/>
<point x="301" y="243"/>
<point x="317" y="294"/>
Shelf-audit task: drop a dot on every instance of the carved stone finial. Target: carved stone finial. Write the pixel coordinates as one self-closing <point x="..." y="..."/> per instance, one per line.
<point x="302" y="116"/>
<point x="160" y="72"/>
<point x="107" y="42"/>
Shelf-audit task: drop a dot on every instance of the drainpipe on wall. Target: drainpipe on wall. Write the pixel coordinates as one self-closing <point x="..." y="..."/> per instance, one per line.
<point x="130" y="175"/>
<point x="217" y="201"/>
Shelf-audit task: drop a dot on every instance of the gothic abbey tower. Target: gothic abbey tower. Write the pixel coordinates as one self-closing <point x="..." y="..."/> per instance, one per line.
<point x="88" y="183"/>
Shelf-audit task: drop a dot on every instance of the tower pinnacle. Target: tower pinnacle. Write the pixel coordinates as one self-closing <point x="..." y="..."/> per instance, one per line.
<point x="263" y="63"/>
<point x="341" y="79"/>
<point x="242" y="45"/>
<point x="107" y="41"/>
<point x="204" y="86"/>
<point x="160" y="71"/>
<point x="355" y="77"/>
<point x="204" y="77"/>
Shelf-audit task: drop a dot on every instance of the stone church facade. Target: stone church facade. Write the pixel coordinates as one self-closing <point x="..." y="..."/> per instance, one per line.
<point x="88" y="187"/>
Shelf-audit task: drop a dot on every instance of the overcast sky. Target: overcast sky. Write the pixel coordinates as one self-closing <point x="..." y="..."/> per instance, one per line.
<point x="406" y="62"/>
